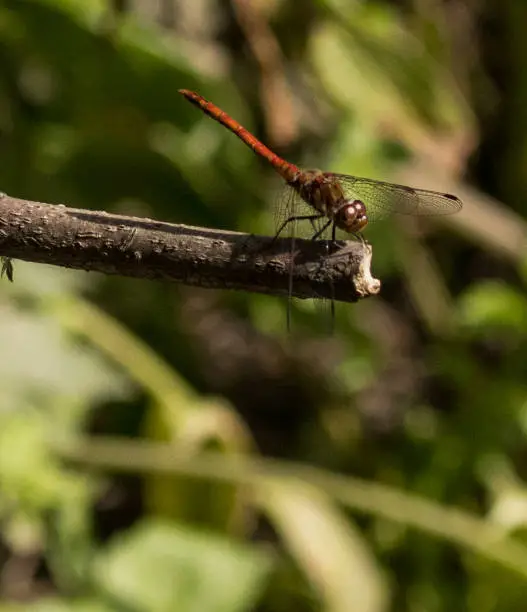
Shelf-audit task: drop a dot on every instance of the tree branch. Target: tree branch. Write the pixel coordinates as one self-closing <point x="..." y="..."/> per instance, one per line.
<point x="144" y="248"/>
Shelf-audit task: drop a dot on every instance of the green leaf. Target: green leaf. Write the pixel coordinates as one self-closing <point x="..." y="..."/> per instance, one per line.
<point x="164" y="566"/>
<point x="331" y="551"/>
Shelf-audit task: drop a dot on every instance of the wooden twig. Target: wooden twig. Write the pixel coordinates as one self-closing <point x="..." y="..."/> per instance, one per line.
<point x="144" y="248"/>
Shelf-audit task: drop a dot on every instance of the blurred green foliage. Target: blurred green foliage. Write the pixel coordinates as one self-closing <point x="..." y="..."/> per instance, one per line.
<point x="163" y="448"/>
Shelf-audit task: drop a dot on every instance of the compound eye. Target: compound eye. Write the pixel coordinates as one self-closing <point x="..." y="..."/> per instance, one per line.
<point x="352" y="216"/>
<point x="360" y="209"/>
<point x="350" y="212"/>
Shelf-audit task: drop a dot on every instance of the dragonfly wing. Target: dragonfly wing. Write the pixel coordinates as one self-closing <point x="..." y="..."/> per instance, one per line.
<point x="290" y="205"/>
<point x="292" y="208"/>
<point x="382" y="198"/>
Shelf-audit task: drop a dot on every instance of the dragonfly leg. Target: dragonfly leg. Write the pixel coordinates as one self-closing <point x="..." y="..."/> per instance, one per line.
<point x="320" y="231"/>
<point x="296" y="218"/>
<point x="359" y="237"/>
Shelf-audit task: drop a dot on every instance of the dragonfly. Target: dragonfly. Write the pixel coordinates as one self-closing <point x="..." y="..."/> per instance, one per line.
<point x="328" y="199"/>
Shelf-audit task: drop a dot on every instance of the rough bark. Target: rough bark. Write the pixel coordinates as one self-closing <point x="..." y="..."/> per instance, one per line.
<point x="145" y="248"/>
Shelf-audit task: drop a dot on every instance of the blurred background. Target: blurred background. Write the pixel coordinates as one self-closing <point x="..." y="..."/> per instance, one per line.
<point x="169" y="448"/>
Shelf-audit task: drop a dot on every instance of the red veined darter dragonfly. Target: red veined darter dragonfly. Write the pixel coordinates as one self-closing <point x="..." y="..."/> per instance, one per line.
<point x="326" y="199"/>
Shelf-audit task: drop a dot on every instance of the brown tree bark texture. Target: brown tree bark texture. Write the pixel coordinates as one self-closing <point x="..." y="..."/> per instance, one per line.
<point x="145" y="248"/>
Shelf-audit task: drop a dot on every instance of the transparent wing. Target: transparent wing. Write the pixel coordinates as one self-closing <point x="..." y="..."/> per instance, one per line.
<point x="289" y="205"/>
<point x="383" y="199"/>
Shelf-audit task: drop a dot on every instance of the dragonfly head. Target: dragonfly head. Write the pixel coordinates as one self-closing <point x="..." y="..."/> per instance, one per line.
<point x="351" y="216"/>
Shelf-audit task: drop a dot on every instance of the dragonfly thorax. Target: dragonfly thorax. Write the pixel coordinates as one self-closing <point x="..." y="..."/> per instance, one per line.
<point x="351" y="216"/>
<point x="326" y="195"/>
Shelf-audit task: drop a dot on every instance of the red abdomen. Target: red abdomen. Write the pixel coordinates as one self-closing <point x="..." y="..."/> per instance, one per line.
<point x="285" y="169"/>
